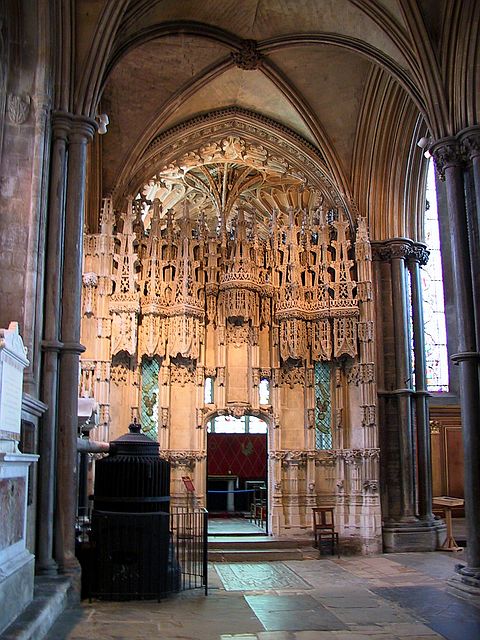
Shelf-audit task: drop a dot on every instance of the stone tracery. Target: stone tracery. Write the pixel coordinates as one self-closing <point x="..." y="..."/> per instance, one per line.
<point x="230" y="261"/>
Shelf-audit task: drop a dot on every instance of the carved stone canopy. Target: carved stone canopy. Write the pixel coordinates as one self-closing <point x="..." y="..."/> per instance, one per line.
<point x="172" y="276"/>
<point x="238" y="136"/>
<point x="223" y="177"/>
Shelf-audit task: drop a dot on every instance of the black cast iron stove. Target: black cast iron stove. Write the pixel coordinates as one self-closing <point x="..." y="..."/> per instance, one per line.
<point x="133" y="556"/>
<point x="133" y="478"/>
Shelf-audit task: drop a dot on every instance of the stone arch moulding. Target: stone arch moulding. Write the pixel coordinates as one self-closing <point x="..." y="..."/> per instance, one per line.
<point x="239" y="412"/>
<point x="181" y="144"/>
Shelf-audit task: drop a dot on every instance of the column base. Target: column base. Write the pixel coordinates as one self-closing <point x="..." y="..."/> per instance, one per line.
<point x="48" y="568"/>
<point x="465" y="584"/>
<point x="73" y="571"/>
<point x="400" y="538"/>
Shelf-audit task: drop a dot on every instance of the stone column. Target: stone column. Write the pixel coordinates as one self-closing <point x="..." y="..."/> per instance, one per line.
<point x="470" y="139"/>
<point x="419" y="256"/>
<point x="448" y="157"/>
<point x="45" y="564"/>
<point x="402" y="529"/>
<point x="471" y="143"/>
<point x="399" y="250"/>
<point x="82" y="130"/>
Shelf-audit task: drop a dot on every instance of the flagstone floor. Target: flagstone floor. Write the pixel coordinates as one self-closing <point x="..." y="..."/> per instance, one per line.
<point x="387" y="597"/>
<point x="233" y="526"/>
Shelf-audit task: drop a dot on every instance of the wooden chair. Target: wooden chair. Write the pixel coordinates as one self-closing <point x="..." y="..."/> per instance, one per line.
<point x="324" y="528"/>
<point x="258" y="507"/>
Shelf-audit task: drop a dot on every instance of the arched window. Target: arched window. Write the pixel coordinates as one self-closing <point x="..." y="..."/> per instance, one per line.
<point x="230" y="424"/>
<point x="433" y="301"/>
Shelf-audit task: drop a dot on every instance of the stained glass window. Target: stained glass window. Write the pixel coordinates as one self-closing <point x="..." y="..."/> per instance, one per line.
<point x="323" y="406"/>
<point x="411" y="382"/>
<point x="433" y="302"/>
<point x="149" y="406"/>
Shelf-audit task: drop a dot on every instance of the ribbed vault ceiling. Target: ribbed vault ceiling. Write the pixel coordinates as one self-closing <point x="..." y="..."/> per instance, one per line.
<point x="317" y="67"/>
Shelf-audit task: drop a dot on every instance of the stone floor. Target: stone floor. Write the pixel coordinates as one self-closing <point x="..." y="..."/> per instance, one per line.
<point x="233" y="526"/>
<point x="386" y="597"/>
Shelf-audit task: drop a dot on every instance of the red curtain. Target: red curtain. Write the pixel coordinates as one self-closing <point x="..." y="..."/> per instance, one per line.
<point x="237" y="454"/>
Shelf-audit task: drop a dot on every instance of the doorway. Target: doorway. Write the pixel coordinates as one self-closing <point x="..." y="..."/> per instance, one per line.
<point x="237" y="495"/>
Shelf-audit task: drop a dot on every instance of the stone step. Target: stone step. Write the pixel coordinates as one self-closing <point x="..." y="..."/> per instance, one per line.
<point x="254" y="555"/>
<point x="49" y="601"/>
<point x="245" y="543"/>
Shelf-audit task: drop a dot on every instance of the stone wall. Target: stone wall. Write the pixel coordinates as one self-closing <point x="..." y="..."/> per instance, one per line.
<point x="23" y="164"/>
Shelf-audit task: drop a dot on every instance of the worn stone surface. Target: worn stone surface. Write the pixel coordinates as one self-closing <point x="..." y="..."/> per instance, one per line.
<point x="245" y="577"/>
<point x="342" y="601"/>
<point x="49" y="601"/>
<point x="16" y="592"/>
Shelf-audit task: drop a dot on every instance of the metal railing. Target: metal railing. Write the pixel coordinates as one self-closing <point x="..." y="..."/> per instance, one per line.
<point x="139" y="556"/>
<point x="188" y="528"/>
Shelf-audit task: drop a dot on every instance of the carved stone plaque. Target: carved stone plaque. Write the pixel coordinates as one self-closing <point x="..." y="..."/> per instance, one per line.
<point x="12" y="508"/>
<point x="12" y="363"/>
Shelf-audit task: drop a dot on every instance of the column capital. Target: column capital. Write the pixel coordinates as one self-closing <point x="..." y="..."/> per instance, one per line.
<point x="83" y="129"/>
<point x="446" y="153"/>
<point x="470" y="139"/>
<point x="72" y="127"/>
<point x="386" y="250"/>
<point x="61" y="124"/>
<point x="419" y="253"/>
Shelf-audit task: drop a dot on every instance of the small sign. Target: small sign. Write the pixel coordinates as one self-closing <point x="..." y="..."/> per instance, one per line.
<point x="187" y="481"/>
